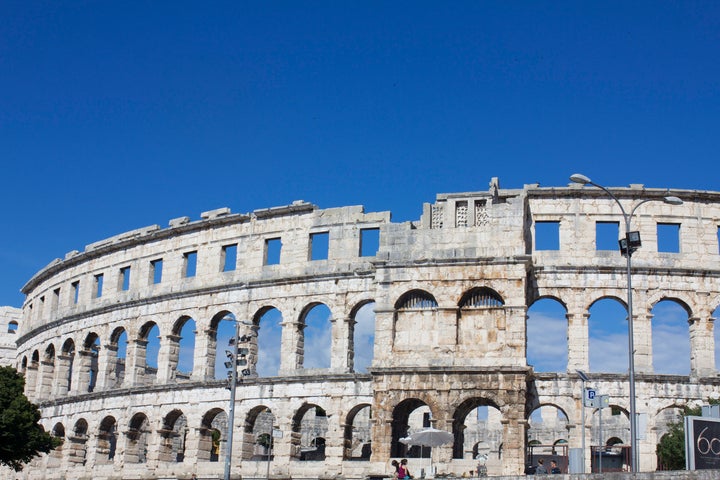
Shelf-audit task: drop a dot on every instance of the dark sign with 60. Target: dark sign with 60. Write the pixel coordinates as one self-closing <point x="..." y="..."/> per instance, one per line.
<point x="702" y="443"/>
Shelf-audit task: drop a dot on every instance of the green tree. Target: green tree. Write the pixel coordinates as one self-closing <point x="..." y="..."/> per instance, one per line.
<point x="21" y="436"/>
<point x="671" y="449"/>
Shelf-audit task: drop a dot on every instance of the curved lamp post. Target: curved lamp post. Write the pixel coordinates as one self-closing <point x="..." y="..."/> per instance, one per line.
<point x="628" y="245"/>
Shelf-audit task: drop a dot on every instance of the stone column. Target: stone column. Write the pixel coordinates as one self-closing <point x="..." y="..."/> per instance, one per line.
<point x="291" y="347"/>
<point x="31" y="379"/>
<point x="135" y="366"/>
<point x="204" y="355"/>
<point x="81" y="374"/>
<point x="341" y="348"/>
<point x="514" y="432"/>
<point x="384" y="335"/>
<point x="702" y="345"/>
<point x="63" y="375"/>
<point x="642" y="339"/>
<point x="578" y="340"/>
<point x="107" y="367"/>
<point x="168" y="358"/>
<point x="45" y="379"/>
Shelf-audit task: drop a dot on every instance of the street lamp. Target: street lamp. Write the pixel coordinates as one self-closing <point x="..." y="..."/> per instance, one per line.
<point x="628" y="245"/>
<point x="237" y="357"/>
<point x="584" y="379"/>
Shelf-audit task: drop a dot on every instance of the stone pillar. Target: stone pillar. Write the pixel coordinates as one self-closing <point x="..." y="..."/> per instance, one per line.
<point x="291" y="347"/>
<point x="81" y="374"/>
<point x="384" y="336"/>
<point x="31" y="379"/>
<point x="204" y="355"/>
<point x="107" y="367"/>
<point x="63" y="374"/>
<point x="702" y="345"/>
<point x="341" y="347"/>
<point x="642" y="339"/>
<point x="45" y="379"/>
<point x="514" y="432"/>
<point x="578" y="340"/>
<point x="168" y="358"/>
<point x="135" y="367"/>
<point x="76" y="450"/>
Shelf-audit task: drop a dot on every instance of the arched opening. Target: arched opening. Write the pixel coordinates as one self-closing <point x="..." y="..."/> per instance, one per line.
<point x="258" y="434"/>
<point x="77" y="447"/>
<point x="12" y="327"/>
<point x="608" y="336"/>
<point x="547" y="345"/>
<point x="47" y="372"/>
<point x="220" y="336"/>
<point x="309" y="427"/>
<point x="356" y="437"/>
<point x="547" y="436"/>
<point x="117" y="353"/>
<point x="212" y="435"/>
<point x="106" y="441"/>
<point x="478" y="433"/>
<point x="670" y="338"/>
<point x="269" y="345"/>
<point x="137" y="439"/>
<point x="173" y="435"/>
<point x="55" y="456"/>
<point x="415" y="311"/>
<point x="316" y="337"/>
<point x="148" y="348"/>
<point x="480" y="317"/>
<point x="89" y="362"/>
<point x="409" y="416"/>
<point x="362" y="334"/>
<point x="66" y="360"/>
<point x="182" y="348"/>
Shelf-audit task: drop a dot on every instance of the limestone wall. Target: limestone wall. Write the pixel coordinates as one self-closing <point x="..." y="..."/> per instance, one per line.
<point x="451" y="294"/>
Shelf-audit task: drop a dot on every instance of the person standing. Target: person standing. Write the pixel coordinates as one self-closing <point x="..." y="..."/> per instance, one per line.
<point x="554" y="467"/>
<point x="541" y="470"/>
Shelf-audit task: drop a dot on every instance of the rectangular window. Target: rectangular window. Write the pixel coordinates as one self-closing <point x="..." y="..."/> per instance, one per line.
<point x="55" y="300"/>
<point x="668" y="235"/>
<point x="156" y="267"/>
<point x="229" y="257"/>
<point x="461" y="214"/>
<point x="606" y="235"/>
<point x="98" y="285"/>
<point x="125" y="279"/>
<point x="319" y="245"/>
<point x="189" y="264"/>
<point x="273" y="246"/>
<point x="76" y="291"/>
<point x="369" y="242"/>
<point x="547" y="235"/>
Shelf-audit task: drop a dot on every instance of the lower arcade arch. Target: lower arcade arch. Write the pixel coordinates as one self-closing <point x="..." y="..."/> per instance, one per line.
<point x="356" y="435"/>
<point x="309" y="431"/>
<point x="477" y="429"/>
<point x="410" y="415"/>
<point x="106" y="441"/>
<point x="212" y="435"/>
<point x="137" y="437"/>
<point x="173" y="437"/>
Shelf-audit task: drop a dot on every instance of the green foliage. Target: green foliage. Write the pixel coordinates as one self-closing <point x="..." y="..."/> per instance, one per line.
<point x="671" y="449"/>
<point x="21" y="436"/>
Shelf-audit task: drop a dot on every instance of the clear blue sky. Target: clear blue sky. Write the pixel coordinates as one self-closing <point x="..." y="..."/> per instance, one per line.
<point x="117" y="115"/>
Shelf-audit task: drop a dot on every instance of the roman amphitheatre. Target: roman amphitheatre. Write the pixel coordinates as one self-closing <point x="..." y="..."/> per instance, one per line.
<point x="356" y="332"/>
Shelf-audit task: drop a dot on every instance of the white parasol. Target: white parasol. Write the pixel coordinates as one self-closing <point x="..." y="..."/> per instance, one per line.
<point x="430" y="437"/>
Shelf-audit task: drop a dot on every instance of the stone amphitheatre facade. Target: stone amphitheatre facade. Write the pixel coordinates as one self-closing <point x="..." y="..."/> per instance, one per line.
<point x="450" y="294"/>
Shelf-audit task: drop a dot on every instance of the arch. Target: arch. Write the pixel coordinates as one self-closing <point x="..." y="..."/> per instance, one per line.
<point x="117" y="357"/>
<point x="608" y="335"/>
<point x="106" y="440"/>
<point x="402" y="425"/>
<point x="257" y="434"/>
<point x="416" y="300"/>
<point x="137" y="439"/>
<point x="220" y="335"/>
<point x="173" y="437"/>
<point x="88" y="360"/>
<point x="55" y="456"/>
<point x="12" y="327"/>
<point x="481" y="297"/>
<point x="356" y="435"/>
<point x="309" y="423"/>
<point x="546" y="335"/>
<point x="267" y="345"/>
<point x="670" y="337"/>
<point x="212" y="435"/>
<point x="315" y="336"/>
<point x="182" y="347"/>
<point x="77" y="443"/>
<point x="473" y="422"/>
<point x="362" y="335"/>
<point x="147" y="351"/>
<point x="547" y="427"/>
<point x="66" y="362"/>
